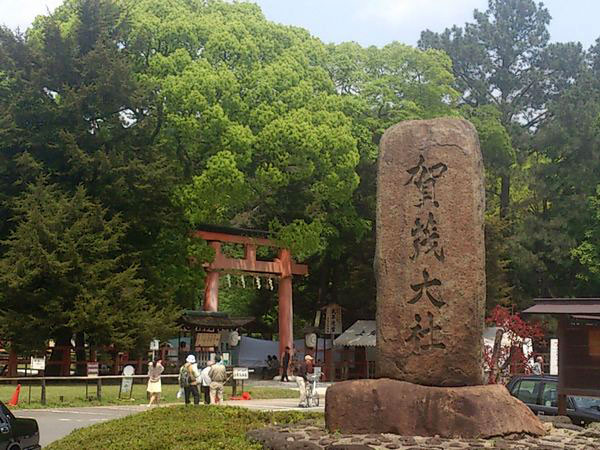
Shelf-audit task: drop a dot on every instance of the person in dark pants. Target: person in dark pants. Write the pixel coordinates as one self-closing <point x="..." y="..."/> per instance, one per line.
<point x="205" y="377"/>
<point x="189" y="378"/>
<point x="285" y="364"/>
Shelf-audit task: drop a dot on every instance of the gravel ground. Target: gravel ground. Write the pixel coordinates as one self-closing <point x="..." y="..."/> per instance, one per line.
<point x="314" y="438"/>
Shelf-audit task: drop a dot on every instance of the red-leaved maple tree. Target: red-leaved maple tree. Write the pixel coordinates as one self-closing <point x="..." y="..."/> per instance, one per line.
<point x="517" y="332"/>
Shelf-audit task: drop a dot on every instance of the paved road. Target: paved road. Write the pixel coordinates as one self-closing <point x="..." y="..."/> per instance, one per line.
<point x="57" y="423"/>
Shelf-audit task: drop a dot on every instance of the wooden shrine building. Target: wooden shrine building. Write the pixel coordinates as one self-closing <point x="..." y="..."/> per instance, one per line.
<point x="578" y="345"/>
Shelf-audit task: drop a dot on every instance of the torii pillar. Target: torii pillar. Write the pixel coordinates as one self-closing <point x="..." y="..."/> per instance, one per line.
<point x="283" y="267"/>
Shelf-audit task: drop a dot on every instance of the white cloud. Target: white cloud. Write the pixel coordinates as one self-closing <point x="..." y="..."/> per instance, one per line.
<point x="409" y="12"/>
<point x="20" y="13"/>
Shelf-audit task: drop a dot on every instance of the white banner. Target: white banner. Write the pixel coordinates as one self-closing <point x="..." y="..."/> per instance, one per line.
<point x="553" y="356"/>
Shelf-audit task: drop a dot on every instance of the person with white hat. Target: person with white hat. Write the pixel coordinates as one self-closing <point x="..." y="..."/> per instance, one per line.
<point x="205" y="377"/>
<point x="189" y="376"/>
<point x="300" y="372"/>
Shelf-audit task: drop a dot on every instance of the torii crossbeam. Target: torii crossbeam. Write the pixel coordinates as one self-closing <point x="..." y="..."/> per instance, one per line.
<point x="282" y="267"/>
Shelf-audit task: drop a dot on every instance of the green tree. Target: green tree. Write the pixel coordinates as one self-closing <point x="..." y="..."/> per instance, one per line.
<point x="80" y="115"/>
<point x="62" y="273"/>
<point x="504" y="59"/>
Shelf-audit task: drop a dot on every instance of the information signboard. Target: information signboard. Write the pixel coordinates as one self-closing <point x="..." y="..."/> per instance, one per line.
<point x="154" y="345"/>
<point x="93" y="369"/>
<point x="38" y="363"/>
<point x="240" y="373"/>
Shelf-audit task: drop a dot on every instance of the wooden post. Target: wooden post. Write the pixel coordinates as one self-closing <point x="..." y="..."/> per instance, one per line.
<point x="331" y="362"/>
<point x="286" y="314"/>
<point x="12" y="363"/>
<point x="211" y="286"/>
<point x="493" y="378"/>
<point x="43" y="399"/>
<point x="211" y="291"/>
<point x="99" y="389"/>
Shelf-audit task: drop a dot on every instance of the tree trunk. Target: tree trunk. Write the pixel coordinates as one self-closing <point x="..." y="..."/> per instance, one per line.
<point x="80" y="354"/>
<point x="60" y="358"/>
<point x="504" y="195"/>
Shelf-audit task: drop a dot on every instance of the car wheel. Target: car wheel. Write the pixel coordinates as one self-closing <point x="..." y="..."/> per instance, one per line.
<point x="14" y="447"/>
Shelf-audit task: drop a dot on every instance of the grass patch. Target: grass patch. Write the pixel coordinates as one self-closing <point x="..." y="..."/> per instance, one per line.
<point x="74" y="395"/>
<point x="181" y="427"/>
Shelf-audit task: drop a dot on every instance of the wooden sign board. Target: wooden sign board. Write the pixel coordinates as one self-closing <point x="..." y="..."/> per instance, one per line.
<point x="333" y="319"/>
<point x="594" y="341"/>
<point x="208" y="339"/>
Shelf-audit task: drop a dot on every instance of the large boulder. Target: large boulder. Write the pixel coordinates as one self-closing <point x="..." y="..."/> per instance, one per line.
<point x="392" y="406"/>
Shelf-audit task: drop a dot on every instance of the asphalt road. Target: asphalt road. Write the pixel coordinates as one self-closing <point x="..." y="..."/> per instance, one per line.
<point x="57" y="423"/>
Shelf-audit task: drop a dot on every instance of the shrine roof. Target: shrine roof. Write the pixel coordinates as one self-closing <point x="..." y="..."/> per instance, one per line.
<point x="361" y="334"/>
<point x="572" y="306"/>
<point x="216" y="320"/>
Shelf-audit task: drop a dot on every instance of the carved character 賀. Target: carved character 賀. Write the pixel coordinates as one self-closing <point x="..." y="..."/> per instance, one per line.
<point x="424" y="178"/>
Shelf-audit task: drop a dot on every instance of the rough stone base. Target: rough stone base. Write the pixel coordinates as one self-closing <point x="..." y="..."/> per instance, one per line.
<point x="298" y="437"/>
<point x="398" y="407"/>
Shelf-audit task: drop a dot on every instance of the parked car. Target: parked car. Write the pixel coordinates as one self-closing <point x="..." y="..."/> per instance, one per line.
<point x="17" y="433"/>
<point x="540" y="393"/>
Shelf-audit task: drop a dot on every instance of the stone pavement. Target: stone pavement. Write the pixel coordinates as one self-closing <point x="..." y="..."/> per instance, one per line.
<point x="281" y="404"/>
<point x="315" y="438"/>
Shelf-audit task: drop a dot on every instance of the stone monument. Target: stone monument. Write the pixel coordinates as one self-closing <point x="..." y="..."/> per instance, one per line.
<point x="430" y="272"/>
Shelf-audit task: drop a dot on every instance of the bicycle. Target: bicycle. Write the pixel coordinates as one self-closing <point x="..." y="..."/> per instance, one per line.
<point x="312" y="397"/>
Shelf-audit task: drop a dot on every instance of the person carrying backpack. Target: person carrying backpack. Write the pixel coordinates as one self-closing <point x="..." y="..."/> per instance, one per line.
<point x="188" y="379"/>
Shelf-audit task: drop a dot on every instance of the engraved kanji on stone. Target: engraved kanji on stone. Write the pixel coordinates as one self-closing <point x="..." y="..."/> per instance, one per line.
<point x="426" y="236"/>
<point x="419" y="333"/>
<point x="423" y="288"/>
<point x="424" y="178"/>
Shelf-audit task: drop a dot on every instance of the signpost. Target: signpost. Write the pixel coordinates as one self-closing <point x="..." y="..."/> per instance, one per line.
<point x="333" y="326"/>
<point x="127" y="381"/>
<point x="239" y="373"/>
<point x="39" y="364"/>
<point x="333" y="319"/>
<point x="93" y="369"/>
<point x="154" y="346"/>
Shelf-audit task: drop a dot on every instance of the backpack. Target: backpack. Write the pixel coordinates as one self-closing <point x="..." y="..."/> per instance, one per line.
<point x="185" y="376"/>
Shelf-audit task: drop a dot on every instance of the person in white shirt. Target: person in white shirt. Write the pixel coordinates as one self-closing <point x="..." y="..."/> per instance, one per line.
<point x="205" y="377"/>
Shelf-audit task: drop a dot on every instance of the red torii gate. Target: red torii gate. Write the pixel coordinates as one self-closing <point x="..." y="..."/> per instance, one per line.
<point x="283" y="267"/>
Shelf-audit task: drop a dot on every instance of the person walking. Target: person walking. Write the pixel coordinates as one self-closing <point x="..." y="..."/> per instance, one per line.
<point x="189" y="376"/>
<point x="538" y="366"/>
<point x="217" y="376"/>
<point x="155" y="369"/>
<point x="285" y="364"/>
<point x="205" y="378"/>
<point x="300" y="371"/>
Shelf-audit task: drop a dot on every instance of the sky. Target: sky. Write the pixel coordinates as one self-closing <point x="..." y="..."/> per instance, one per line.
<point x="372" y="22"/>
